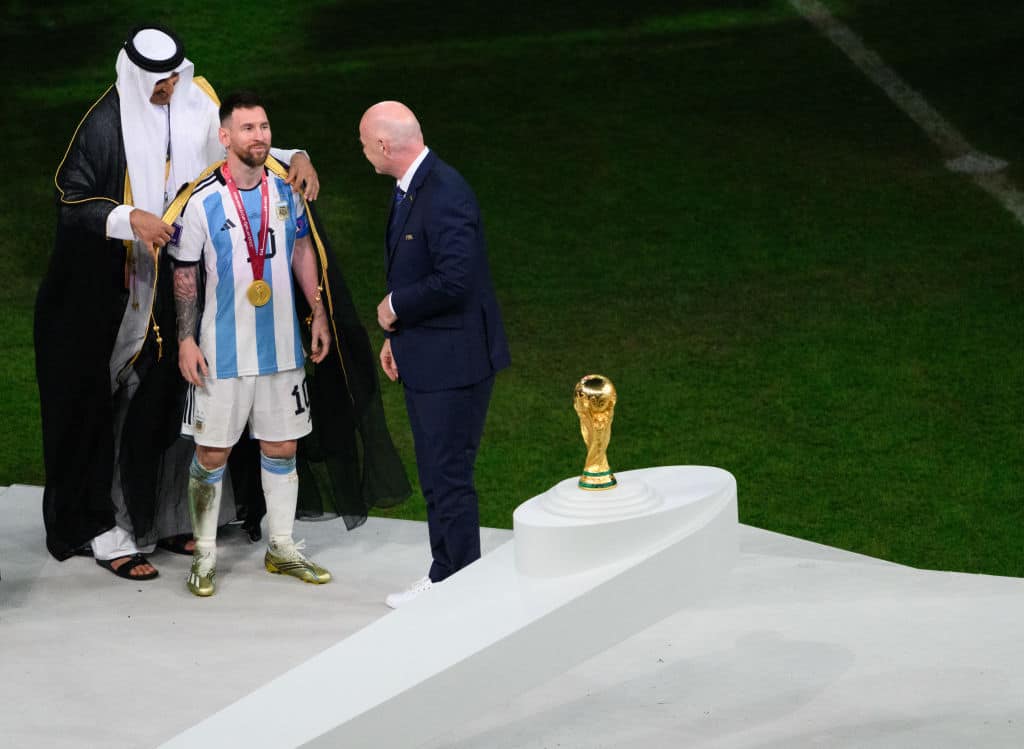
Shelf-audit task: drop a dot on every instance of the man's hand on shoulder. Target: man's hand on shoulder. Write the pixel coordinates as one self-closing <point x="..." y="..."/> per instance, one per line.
<point x="150" y="229"/>
<point x="301" y="173"/>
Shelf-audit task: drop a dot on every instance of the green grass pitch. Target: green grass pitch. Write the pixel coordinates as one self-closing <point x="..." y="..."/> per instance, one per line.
<point x="705" y="201"/>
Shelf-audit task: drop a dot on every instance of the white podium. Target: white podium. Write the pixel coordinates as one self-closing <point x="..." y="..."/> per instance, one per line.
<point x="584" y="571"/>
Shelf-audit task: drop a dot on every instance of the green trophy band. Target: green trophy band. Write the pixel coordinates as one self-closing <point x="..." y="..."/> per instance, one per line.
<point x="594" y="400"/>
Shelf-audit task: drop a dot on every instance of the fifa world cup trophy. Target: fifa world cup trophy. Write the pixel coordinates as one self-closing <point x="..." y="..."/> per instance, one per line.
<point x="594" y="400"/>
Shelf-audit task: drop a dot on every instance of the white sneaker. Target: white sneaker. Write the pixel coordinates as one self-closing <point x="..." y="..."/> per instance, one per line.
<point x="398" y="599"/>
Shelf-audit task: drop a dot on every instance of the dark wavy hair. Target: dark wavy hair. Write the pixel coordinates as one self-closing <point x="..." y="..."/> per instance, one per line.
<point x="238" y="100"/>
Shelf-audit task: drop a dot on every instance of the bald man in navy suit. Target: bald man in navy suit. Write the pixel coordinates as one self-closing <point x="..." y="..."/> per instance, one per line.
<point x="444" y="334"/>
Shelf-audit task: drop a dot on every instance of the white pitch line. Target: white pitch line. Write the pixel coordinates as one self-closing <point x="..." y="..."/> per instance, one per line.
<point x="960" y="156"/>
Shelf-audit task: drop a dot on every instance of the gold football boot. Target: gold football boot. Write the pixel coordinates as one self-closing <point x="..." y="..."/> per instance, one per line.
<point x="200" y="578"/>
<point x="287" y="560"/>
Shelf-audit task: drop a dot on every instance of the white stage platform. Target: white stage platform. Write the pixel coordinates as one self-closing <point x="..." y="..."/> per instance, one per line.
<point x="805" y="646"/>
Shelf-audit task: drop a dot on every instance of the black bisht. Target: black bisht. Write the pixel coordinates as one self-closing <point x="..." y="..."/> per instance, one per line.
<point x="348" y="463"/>
<point x="349" y="455"/>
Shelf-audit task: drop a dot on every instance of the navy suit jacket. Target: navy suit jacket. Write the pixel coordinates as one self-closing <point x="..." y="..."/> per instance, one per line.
<point x="449" y="332"/>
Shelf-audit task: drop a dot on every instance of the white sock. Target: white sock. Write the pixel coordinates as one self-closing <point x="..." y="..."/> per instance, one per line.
<point x="281" y="490"/>
<point x="204" y="490"/>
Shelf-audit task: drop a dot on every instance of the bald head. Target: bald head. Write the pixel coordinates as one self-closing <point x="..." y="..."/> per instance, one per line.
<point x="391" y="137"/>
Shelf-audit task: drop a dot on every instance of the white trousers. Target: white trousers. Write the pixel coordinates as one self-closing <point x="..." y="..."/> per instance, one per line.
<point x="116" y="543"/>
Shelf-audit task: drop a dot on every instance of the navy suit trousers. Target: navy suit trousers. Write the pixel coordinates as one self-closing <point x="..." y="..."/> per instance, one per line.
<point x="447" y="426"/>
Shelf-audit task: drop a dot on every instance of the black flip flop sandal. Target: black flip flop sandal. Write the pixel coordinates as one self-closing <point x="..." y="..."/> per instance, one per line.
<point x="125" y="570"/>
<point x="176" y="544"/>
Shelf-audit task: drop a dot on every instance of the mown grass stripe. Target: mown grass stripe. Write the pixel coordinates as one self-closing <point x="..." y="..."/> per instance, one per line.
<point x="950" y="141"/>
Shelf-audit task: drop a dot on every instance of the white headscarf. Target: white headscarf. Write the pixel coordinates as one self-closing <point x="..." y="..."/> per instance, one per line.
<point x="193" y="122"/>
<point x="194" y="146"/>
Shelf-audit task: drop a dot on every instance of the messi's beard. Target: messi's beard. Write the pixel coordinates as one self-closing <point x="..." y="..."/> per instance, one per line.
<point x="251" y="161"/>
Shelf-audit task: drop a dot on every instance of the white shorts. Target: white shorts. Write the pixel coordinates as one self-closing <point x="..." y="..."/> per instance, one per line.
<point x="276" y="407"/>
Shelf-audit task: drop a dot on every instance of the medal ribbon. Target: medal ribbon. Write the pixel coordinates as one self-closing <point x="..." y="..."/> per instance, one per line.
<point x="256" y="254"/>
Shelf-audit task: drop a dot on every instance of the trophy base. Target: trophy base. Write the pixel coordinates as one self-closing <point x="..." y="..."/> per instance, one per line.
<point x="629" y="496"/>
<point x="594" y="482"/>
<point x="568" y="530"/>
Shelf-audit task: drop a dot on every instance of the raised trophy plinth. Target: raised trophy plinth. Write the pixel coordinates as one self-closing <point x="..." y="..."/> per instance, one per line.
<point x="563" y="531"/>
<point x="580" y="524"/>
<point x="630" y="496"/>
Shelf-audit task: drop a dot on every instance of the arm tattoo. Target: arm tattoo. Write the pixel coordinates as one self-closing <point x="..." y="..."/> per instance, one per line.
<point x="186" y="300"/>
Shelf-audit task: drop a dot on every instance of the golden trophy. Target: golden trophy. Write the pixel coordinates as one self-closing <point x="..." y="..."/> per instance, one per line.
<point x="594" y="400"/>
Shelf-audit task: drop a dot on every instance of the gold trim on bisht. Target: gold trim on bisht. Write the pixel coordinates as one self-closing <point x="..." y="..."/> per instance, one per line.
<point x="129" y="244"/>
<point x="128" y="200"/>
<point x="277" y="168"/>
<point x="68" y="150"/>
<point x="206" y="88"/>
<point x="169" y="217"/>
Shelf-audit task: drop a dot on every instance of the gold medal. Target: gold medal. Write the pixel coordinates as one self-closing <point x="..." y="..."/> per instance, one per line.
<point x="258" y="293"/>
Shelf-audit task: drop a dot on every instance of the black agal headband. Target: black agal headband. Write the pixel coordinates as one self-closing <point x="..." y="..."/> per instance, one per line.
<point x="154" y="48"/>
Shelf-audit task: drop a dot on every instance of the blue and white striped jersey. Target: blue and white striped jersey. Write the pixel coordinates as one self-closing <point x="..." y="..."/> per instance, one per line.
<point x="236" y="337"/>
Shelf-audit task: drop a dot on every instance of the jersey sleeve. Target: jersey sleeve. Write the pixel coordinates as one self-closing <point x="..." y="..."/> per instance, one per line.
<point x="301" y="220"/>
<point x="189" y="234"/>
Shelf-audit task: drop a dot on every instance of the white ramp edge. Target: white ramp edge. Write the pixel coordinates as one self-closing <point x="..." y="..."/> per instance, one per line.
<point x="493" y="631"/>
